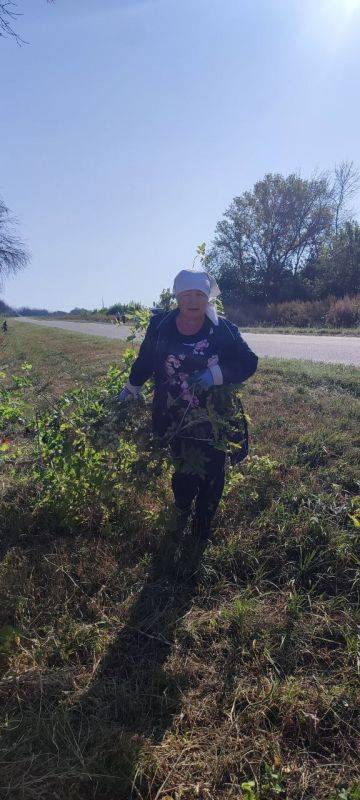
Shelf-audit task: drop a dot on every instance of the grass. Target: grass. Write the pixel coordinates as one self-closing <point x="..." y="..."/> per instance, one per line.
<point x="231" y="675"/>
<point x="316" y="374"/>
<point x="61" y="359"/>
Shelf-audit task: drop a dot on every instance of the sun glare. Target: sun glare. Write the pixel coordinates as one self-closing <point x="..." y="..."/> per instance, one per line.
<point x="350" y="5"/>
<point x="329" y="22"/>
<point x="342" y="7"/>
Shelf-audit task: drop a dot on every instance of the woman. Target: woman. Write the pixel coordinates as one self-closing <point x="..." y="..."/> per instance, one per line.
<point x="193" y="355"/>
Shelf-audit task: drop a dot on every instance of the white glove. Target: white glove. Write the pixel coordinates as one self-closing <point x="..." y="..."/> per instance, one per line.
<point x="129" y="392"/>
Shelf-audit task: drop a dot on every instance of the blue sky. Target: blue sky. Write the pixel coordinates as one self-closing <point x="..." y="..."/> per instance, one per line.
<point x="128" y="126"/>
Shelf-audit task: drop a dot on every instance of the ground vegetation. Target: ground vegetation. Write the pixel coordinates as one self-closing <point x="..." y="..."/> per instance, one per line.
<point x="133" y="668"/>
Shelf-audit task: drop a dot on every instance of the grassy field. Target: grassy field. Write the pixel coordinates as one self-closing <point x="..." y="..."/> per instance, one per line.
<point x="228" y="674"/>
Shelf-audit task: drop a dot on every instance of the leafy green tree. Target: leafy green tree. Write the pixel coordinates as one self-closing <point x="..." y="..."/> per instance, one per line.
<point x="166" y="300"/>
<point x="124" y="308"/>
<point x="267" y="235"/>
<point x="337" y="270"/>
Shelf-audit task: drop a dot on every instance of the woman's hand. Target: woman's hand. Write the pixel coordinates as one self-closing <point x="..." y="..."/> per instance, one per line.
<point x="127" y="393"/>
<point x="124" y="396"/>
<point x="202" y="380"/>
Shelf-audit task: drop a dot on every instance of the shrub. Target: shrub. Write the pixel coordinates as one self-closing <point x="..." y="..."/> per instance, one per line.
<point x="344" y="312"/>
<point x="250" y="314"/>
<point x="33" y="312"/>
<point x="300" y="314"/>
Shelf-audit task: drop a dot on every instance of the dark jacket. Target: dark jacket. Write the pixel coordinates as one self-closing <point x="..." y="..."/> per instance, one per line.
<point x="236" y="361"/>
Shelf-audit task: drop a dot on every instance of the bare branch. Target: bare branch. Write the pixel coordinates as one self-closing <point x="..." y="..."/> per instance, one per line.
<point x="13" y="254"/>
<point x="9" y="15"/>
<point x="346" y="185"/>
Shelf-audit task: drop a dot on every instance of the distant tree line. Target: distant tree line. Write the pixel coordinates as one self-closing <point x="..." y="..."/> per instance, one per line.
<point x="77" y="312"/>
<point x="25" y="311"/>
<point x="115" y="310"/>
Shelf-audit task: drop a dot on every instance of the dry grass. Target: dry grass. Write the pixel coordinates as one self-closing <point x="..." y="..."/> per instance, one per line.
<point x="232" y="674"/>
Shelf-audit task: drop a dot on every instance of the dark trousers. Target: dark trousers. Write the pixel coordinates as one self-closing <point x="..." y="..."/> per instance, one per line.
<point x="199" y="473"/>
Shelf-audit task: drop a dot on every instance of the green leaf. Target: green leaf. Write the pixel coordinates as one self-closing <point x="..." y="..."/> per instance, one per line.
<point x="355" y="520"/>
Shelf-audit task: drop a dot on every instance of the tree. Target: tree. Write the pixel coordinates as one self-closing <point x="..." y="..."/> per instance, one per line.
<point x="123" y="308"/>
<point x="13" y="255"/>
<point x="166" y="300"/>
<point x="262" y="245"/>
<point x="346" y="184"/>
<point x="337" y="270"/>
<point x="25" y="311"/>
<point x="5" y="309"/>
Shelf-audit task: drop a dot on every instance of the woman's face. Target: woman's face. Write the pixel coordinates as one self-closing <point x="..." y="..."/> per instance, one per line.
<point x="192" y="304"/>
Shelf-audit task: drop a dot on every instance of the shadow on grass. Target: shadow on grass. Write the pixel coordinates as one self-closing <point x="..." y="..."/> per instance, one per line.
<point x="133" y="698"/>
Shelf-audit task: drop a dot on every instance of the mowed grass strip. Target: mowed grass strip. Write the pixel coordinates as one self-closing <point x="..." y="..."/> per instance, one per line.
<point x="233" y="675"/>
<point x="60" y="359"/>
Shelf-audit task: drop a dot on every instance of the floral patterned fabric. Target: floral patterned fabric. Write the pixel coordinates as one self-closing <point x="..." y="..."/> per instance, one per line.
<point x="185" y="406"/>
<point x="213" y="417"/>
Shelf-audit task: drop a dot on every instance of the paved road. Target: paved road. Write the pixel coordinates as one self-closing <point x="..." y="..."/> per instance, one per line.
<point x="330" y="349"/>
<point x="92" y="328"/>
